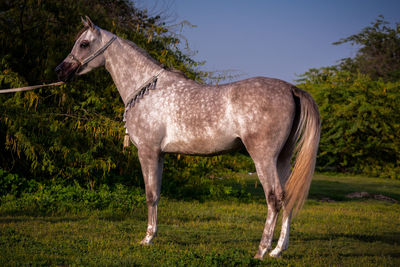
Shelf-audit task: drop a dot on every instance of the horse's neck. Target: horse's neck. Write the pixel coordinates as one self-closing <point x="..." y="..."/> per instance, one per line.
<point x="129" y="67"/>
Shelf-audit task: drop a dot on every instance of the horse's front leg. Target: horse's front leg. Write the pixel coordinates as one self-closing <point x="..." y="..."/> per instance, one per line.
<point x="151" y="162"/>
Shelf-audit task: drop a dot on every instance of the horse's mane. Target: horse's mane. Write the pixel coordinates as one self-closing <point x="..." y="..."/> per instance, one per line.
<point x="142" y="52"/>
<point x="149" y="57"/>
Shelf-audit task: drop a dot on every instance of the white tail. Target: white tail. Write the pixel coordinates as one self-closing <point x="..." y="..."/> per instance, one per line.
<point x="306" y="140"/>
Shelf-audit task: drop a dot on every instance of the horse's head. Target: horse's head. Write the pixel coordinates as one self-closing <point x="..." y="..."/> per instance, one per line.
<point x="84" y="55"/>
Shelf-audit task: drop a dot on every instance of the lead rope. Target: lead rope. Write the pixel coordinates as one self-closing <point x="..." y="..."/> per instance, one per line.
<point x="27" y="88"/>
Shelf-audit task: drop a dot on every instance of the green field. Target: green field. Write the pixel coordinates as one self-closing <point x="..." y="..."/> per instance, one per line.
<point x="331" y="230"/>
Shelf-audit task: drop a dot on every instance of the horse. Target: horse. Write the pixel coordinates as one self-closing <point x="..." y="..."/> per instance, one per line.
<point x="165" y="112"/>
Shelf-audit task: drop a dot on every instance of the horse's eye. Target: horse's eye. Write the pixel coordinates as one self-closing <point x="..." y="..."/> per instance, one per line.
<point x="84" y="44"/>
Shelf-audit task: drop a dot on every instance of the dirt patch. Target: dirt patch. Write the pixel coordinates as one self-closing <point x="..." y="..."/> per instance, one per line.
<point x="327" y="199"/>
<point x="371" y="196"/>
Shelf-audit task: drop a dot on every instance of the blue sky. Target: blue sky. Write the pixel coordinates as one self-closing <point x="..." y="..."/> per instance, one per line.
<point x="273" y="38"/>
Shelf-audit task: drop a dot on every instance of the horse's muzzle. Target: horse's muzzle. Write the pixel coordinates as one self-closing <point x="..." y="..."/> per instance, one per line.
<point x="66" y="71"/>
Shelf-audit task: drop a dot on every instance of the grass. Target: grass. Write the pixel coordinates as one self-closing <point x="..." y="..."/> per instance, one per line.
<point x="342" y="232"/>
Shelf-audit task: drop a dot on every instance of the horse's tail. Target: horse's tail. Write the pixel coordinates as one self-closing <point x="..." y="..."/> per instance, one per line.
<point x="304" y="141"/>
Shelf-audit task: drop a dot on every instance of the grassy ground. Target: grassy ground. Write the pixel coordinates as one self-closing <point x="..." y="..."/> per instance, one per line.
<point x="331" y="230"/>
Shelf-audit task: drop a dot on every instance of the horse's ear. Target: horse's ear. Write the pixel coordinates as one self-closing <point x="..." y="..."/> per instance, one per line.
<point x="90" y="23"/>
<point x="84" y="22"/>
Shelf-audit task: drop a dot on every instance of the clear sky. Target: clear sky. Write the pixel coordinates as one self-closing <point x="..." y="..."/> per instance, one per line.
<point x="273" y="38"/>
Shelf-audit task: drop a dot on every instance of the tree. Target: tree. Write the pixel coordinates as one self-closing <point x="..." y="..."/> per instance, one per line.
<point x="74" y="132"/>
<point x="360" y="129"/>
<point x="71" y="132"/>
<point x="358" y="101"/>
<point x="379" y="52"/>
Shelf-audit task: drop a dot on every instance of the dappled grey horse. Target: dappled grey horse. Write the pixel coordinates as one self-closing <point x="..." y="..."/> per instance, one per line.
<point x="165" y="112"/>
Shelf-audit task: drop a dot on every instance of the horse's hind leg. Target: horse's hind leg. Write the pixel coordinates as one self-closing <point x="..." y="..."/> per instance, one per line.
<point x="284" y="173"/>
<point x="268" y="175"/>
<point x="283" y="242"/>
<point x="152" y="164"/>
<point x="265" y="152"/>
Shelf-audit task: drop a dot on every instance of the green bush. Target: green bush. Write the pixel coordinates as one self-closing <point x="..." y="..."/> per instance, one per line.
<point x="14" y="184"/>
<point x="58" y="199"/>
<point x="74" y="132"/>
<point x="360" y="122"/>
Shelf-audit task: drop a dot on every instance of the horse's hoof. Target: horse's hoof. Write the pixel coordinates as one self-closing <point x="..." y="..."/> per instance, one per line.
<point x="261" y="252"/>
<point x="275" y="253"/>
<point x="258" y="256"/>
<point x="146" y="242"/>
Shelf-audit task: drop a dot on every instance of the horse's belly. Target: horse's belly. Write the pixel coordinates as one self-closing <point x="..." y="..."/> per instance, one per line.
<point x="201" y="145"/>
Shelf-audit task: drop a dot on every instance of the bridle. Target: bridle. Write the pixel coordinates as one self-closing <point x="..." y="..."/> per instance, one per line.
<point x="92" y="56"/>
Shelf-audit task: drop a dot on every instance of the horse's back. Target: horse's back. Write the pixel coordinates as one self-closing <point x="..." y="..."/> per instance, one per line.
<point x="261" y="99"/>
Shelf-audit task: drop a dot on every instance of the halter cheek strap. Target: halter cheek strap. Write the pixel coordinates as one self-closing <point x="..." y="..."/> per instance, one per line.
<point x="94" y="55"/>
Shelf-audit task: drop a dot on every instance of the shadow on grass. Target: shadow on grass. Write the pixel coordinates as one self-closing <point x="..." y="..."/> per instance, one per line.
<point x="387" y="238"/>
<point x="338" y="189"/>
<point x="190" y="239"/>
<point x="6" y="220"/>
<point x="334" y="188"/>
<point x="387" y="254"/>
<point x="113" y="217"/>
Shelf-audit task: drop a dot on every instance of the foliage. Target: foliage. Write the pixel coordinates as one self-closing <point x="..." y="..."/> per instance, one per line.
<point x="360" y="122"/>
<point x="69" y="132"/>
<point x="60" y="199"/>
<point x="14" y="185"/>
<point x="379" y="51"/>
<point x="74" y="132"/>
<point x="28" y="197"/>
<point x="358" y="100"/>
